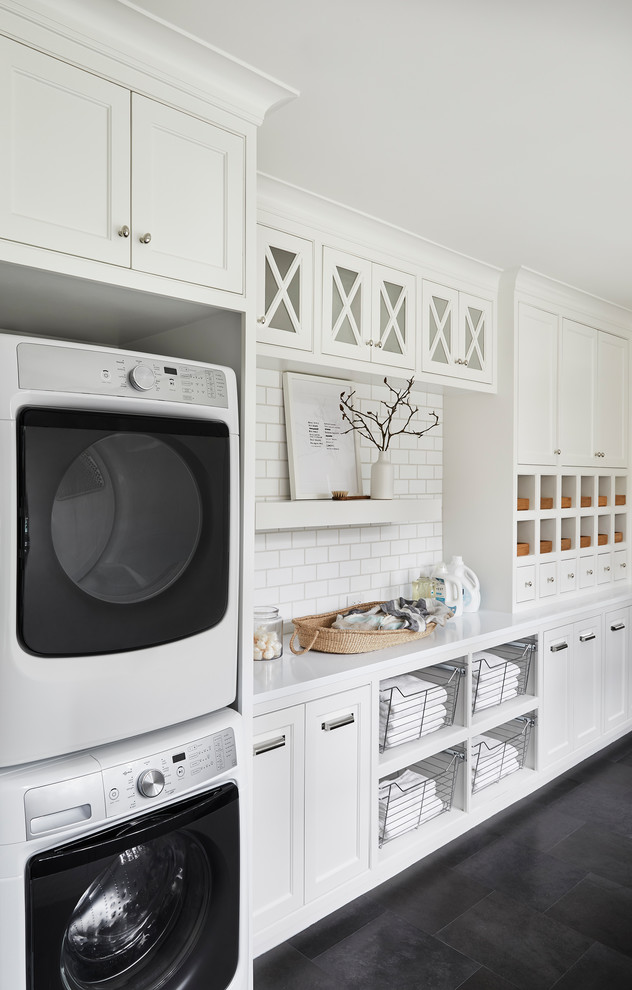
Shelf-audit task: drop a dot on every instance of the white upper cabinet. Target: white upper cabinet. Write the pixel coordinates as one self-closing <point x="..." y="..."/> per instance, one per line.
<point x="537" y="386"/>
<point x="284" y="289"/>
<point x="592" y="397"/>
<point x="368" y="311"/>
<point x="457" y="334"/>
<point x="187" y="197"/>
<point x="80" y="144"/>
<point x="611" y="421"/>
<point x="66" y="183"/>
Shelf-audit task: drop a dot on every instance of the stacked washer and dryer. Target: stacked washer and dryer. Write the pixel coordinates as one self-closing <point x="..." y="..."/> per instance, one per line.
<point x="120" y="812"/>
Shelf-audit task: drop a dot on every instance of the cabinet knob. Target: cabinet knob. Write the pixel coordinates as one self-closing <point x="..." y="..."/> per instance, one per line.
<point x="369" y="343"/>
<point x="624" y="564"/>
<point x="378" y="343"/>
<point x="558" y="451"/>
<point x="261" y="319"/>
<point x="145" y="239"/>
<point x="528" y="584"/>
<point x="589" y="572"/>
<point x="606" y="568"/>
<point x="571" y="576"/>
<point x="550" y="580"/>
<point x="124" y="231"/>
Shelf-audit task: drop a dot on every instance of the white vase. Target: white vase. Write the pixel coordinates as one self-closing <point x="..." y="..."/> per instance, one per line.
<point x="382" y="476"/>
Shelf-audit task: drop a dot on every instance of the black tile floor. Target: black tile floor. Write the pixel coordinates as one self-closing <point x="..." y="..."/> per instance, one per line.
<point x="540" y="896"/>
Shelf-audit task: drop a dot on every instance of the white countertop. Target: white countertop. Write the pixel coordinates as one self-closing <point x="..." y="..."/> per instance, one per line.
<point x="292" y="675"/>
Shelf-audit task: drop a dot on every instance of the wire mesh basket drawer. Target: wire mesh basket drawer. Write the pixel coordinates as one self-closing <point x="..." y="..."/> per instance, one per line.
<point x="417" y="794"/>
<point x="500" y="752"/>
<point x="500" y="674"/>
<point x="412" y="705"/>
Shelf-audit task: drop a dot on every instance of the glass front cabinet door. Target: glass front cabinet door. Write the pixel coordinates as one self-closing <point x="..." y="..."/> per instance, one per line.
<point x="457" y="334"/>
<point x="368" y="311"/>
<point x="285" y="303"/>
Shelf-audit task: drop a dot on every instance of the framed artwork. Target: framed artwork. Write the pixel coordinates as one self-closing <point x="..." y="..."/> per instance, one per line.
<point x="322" y="457"/>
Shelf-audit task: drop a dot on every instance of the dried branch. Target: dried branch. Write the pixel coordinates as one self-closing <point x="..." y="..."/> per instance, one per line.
<point x="380" y="431"/>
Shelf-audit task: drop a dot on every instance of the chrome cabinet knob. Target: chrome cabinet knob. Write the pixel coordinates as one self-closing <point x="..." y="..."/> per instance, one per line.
<point x="558" y="451"/>
<point x="145" y="239"/>
<point x="124" y="231"/>
<point x="261" y="319"/>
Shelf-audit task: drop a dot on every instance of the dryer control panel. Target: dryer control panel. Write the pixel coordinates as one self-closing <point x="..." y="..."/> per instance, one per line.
<point x="44" y="367"/>
<point x="162" y="776"/>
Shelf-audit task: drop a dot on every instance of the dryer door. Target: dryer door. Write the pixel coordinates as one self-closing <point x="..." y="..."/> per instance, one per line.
<point x="124" y="530"/>
<point x="152" y="903"/>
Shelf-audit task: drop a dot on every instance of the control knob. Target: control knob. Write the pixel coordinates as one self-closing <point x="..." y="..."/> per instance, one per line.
<point x="142" y="377"/>
<point x="151" y="783"/>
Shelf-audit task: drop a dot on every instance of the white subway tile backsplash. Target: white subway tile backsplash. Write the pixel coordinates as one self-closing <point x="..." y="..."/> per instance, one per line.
<point x="308" y="571"/>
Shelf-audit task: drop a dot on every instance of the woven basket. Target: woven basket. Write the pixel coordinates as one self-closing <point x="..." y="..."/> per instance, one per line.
<point x="314" y="632"/>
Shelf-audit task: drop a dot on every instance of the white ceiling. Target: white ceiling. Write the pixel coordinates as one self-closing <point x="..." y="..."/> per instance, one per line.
<point x="499" y="128"/>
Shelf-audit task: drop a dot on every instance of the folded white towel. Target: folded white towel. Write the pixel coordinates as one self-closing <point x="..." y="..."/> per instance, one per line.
<point x="403" y="721"/>
<point x="392" y="826"/>
<point x="398" y="737"/>
<point x="489" y="664"/>
<point x="408" y="684"/>
<point x="480" y="704"/>
<point x="485" y="748"/>
<point x="428" y="710"/>
<point x="402" y="784"/>
<point x="481" y="778"/>
<point x="484" y="688"/>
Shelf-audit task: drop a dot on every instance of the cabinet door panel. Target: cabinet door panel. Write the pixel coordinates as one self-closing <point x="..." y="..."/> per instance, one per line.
<point x="586" y="682"/>
<point x="393" y="317"/>
<point x="285" y="289"/>
<point x="188" y="194"/>
<point x="476" y="350"/>
<point x="555" y="724"/>
<point x="611" y="434"/>
<point x="337" y="749"/>
<point x="65" y="184"/>
<point x="278" y="760"/>
<point x="537" y="386"/>
<point x="616" y="673"/>
<point x="346" y="305"/>
<point x="577" y="394"/>
<point x="440" y="329"/>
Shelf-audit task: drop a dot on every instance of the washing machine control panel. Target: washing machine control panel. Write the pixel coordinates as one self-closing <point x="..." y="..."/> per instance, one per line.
<point x="95" y="372"/>
<point x="161" y="776"/>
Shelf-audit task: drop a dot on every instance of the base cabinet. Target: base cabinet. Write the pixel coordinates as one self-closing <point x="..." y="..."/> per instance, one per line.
<point x="310" y="801"/>
<point x="616" y="668"/>
<point x="571" y="688"/>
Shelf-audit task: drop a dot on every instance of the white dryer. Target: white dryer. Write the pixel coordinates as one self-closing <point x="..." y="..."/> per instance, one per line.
<point x="120" y="867"/>
<point x="119" y="531"/>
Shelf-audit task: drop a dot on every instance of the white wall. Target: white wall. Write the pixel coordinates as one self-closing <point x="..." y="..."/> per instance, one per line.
<point x="310" y="571"/>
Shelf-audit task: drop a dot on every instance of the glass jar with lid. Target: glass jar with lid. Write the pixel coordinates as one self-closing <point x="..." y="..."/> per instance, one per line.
<point x="268" y="633"/>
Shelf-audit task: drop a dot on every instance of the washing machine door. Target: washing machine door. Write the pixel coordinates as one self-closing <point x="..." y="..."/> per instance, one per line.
<point x="124" y="524"/>
<point x="150" y="905"/>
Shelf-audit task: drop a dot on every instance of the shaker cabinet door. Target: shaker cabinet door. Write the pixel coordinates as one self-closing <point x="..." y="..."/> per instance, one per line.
<point x="188" y="197"/>
<point x="537" y="386"/>
<point x="64" y="185"/>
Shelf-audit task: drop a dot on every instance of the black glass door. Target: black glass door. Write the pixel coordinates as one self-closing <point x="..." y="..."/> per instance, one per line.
<point x="151" y="905"/>
<point x="124" y="526"/>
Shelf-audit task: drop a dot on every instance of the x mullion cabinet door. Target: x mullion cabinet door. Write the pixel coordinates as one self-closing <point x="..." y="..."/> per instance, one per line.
<point x="346" y="306"/>
<point x="393" y="317"/>
<point x="285" y="289"/>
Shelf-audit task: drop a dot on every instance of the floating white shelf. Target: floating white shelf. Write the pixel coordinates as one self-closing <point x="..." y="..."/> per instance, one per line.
<point x="320" y="513"/>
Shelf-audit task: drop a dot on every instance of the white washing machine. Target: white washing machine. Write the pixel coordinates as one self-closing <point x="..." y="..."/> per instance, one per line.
<point x="119" y="534"/>
<point x="120" y="867"/>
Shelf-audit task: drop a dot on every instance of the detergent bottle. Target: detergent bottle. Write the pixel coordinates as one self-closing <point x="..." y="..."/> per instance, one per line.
<point x="448" y="588"/>
<point x="469" y="583"/>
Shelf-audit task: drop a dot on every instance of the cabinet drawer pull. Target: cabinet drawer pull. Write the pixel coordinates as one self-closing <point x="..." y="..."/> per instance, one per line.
<point x="268" y="745"/>
<point x="337" y="723"/>
<point x="559" y="646"/>
<point x="587" y="638"/>
<point x="619" y="625"/>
